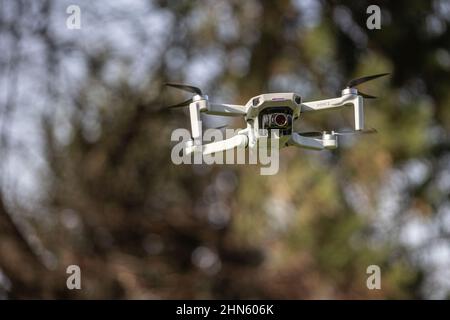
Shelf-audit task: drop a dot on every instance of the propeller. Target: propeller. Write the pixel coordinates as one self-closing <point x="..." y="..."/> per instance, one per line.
<point x="338" y="133"/>
<point x="221" y="127"/>
<point x="351" y="132"/>
<point x="187" y="88"/>
<point x="312" y="134"/>
<point x="353" y="83"/>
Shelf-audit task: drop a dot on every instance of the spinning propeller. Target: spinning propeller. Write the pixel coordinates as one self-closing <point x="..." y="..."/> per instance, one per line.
<point x="338" y="133"/>
<point x="187" y="88"/>
<point x="353" y="83"/>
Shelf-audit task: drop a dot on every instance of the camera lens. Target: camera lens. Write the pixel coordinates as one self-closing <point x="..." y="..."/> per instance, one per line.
<point x="280" y="120"/>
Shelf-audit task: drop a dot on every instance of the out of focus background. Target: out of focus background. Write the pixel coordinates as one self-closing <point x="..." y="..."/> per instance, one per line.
<point x="85" y="171"/>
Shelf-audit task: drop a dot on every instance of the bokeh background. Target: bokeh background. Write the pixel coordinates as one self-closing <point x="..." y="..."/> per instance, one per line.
<point x="86" y="176"/>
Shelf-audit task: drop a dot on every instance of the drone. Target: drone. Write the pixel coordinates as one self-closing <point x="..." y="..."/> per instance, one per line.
<point x="272" y="115"/>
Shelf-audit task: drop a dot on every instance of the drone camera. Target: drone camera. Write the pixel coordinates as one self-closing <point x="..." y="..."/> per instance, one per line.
<point x="277" y="120"/>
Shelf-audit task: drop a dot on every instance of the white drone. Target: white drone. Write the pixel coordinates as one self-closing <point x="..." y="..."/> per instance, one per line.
<point x="270" y="111"/>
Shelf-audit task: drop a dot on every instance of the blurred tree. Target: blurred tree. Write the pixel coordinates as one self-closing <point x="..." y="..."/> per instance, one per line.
<point x="140" y="227"/>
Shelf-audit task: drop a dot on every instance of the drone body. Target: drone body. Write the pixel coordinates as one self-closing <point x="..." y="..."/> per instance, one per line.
<point x="272" y="116"/>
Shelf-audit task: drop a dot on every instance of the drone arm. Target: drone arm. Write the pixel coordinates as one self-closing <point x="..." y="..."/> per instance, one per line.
<point x="220" y="109"/>
<point x="359" y="113"/>
<point x="196" y="107"/>
<point x="346" y="99"/>
<point x="313" y="143"/>
<point x="196" y="125"/>
<point x="239" y="140"/>
<point x="325" y="104"/>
